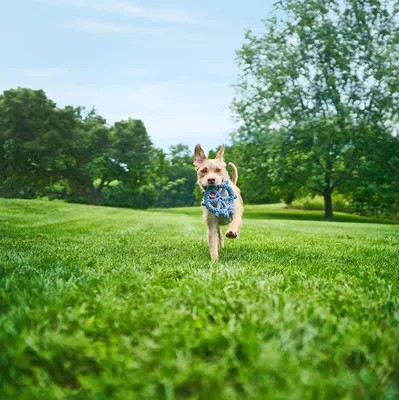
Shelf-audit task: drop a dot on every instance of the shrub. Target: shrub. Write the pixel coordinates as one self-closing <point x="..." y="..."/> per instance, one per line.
<point x="127" y="197"/>
<point x="342" y="204"/>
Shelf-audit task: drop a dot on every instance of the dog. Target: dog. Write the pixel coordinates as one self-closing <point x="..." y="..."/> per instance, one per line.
<point x="213" y="172"/>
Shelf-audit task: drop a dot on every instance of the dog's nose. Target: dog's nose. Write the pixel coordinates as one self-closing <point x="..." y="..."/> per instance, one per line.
<point x="211" y="180"/>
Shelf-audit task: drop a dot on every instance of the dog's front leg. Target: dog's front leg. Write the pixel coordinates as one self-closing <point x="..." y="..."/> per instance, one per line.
<point x="235" y="225"/>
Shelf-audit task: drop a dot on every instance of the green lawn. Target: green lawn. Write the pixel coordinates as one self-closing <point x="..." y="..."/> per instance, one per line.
<point x="102" y="303"/>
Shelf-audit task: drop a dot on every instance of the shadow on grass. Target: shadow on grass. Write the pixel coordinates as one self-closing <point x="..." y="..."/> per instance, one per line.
<point x="300" y="215"/>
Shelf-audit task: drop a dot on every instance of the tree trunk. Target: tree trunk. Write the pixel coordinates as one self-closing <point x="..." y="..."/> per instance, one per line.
<point x="328" y="206"/>
<point x="93" y="199"/>
<point x="92" y="196"/>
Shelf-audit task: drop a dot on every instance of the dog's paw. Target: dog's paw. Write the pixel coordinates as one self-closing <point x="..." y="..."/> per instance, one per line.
<point x="232" y="234"/>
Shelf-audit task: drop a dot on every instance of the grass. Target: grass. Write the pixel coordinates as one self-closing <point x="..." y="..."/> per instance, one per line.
<point x="102" y="303"/>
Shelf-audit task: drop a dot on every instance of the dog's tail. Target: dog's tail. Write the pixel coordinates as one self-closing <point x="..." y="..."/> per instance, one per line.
<point x="235" y="173"/>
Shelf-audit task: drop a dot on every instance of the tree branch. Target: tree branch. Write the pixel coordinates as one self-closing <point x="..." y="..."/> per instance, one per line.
<point x="315" y="189"/>
<point x="348" y="168"/>
<point x="101" y="185"/>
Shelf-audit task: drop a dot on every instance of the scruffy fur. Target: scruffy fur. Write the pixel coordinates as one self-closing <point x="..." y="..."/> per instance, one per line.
<point x="214" y="172"/>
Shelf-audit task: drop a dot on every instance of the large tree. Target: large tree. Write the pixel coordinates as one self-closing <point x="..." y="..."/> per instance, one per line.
<point x="318" y="89"/>
<point x="99" y="155"/>
<point x="85" y="162"/>
<point x="32" y="132"/>
<point x="42" y="145"/>
<point x="132" y="148"/>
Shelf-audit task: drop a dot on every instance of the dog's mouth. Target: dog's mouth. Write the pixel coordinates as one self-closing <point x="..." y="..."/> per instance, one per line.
<point x="212" y="196"/>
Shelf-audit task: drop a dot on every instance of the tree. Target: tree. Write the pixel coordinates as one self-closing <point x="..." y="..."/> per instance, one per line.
<point x="374" y="186"/>
<point x="254" y="179"/>
<point x="42" y="145"/>
<point x="99" y="155"/>
<point x="176" y="188"/>
<point x="132" y="149"/>
<point x="318" y="88"/>
<point x="85" y="162"/>
<point x="32" y="132"/>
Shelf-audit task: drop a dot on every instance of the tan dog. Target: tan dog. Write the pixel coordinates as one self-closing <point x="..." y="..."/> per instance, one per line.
<point x="213" y="172"/>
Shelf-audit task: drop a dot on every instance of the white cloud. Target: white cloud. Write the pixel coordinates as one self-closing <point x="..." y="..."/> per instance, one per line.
<point x="125" y="8"/>
<point x="96" y="26"/>
<point x="154" y="36"/>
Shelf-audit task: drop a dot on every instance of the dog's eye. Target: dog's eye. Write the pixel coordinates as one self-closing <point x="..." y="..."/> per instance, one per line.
<point x="204" y="170"/>
<point x="217" y="169"/>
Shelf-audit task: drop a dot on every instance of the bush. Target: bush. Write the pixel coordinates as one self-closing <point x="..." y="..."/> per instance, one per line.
<point x="124" y="196"/>
<point x="342" y="204"/>
<point x="177" y="193"/>
<point x="19" y="188"/>
<point x="309" y="203"/>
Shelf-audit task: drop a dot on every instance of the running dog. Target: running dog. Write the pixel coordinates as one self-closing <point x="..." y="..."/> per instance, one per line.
<point x="213" y="172"/>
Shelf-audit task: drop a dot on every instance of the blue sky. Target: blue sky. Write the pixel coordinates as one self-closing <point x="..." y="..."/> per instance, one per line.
<point x="169" y="63"/>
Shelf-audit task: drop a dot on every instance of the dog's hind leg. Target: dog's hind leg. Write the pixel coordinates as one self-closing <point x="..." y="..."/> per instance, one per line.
<point x="213" y="233"/>
<point x="221" y="238"/>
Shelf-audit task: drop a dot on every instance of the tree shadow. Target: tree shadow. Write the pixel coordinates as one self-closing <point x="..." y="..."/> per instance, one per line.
<point x="300" y="215"/>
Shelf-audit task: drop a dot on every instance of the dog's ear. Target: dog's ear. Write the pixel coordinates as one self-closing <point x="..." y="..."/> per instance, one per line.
<point x="220" y="153"/>
<point x="199" y="156"/>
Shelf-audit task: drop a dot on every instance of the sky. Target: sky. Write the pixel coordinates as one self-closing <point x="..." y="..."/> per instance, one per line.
<point x="169" y="63"/>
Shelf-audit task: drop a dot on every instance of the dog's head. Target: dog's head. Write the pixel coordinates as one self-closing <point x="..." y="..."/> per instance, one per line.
<point x="210" y="171"/>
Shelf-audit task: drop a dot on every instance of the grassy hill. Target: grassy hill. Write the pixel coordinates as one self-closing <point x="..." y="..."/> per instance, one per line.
<point x="101" y="303"/>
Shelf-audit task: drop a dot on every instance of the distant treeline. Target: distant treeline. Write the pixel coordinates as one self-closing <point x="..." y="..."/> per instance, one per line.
<point x="73" y="154"/>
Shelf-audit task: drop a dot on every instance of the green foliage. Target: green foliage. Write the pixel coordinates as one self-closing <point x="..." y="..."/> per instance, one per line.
<point x="42" y="146"/>
<point x="253" y="179"/>
<point x="32" y="132"/>
<point x="87" y="157"/>
<point x="254" y="174"/>
<point x="124" y="196"/>
<point x="374" y="187"/>
<point x="120" y="304"/>
<point x="340" y="204"/>
<point x="101" y="154"/>
<point x="132" y="150"/>
<point x="178" y="180"/>
<point x="316" y="91"/>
